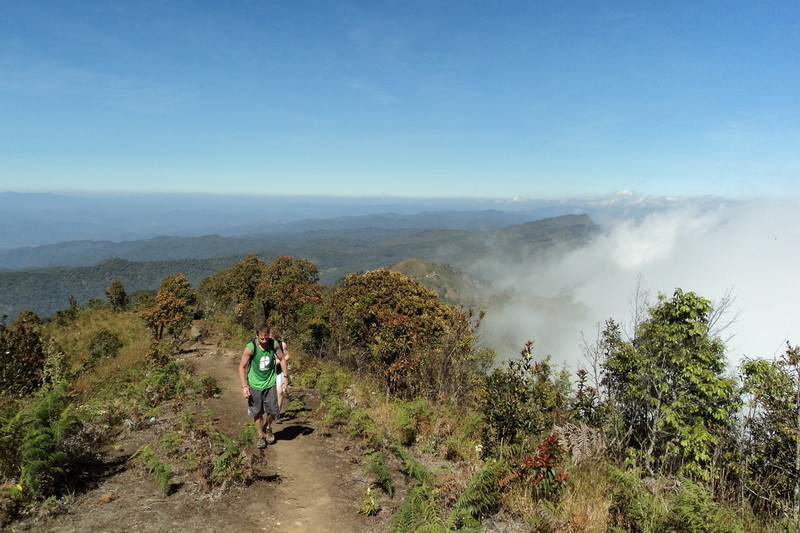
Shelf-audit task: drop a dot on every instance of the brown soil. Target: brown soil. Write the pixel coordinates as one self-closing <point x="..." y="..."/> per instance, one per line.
<point x="310" y="480"/>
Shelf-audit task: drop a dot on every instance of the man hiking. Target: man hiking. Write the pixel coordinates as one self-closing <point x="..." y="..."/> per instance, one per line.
<point x="257" y="375"/>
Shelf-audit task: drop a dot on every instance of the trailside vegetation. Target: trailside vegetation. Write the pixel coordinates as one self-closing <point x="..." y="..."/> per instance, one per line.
<point x="657" y="434"/>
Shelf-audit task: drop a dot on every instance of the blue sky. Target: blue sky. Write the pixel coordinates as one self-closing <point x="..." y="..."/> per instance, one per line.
<point x="407" y="99"/>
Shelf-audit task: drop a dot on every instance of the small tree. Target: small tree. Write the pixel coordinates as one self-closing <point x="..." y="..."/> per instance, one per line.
<point x="520" y="401"/>
<point x="170" y="313"/>
<point x="117" y="297"/>
<point x="772" y="432"/>
<point x="666" y="386"/>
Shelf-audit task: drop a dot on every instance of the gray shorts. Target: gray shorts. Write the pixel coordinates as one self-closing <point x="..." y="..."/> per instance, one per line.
<point x="262" y="401"/>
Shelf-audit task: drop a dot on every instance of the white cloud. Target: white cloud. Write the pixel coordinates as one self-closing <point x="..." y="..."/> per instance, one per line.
<point x="751" y="251"/>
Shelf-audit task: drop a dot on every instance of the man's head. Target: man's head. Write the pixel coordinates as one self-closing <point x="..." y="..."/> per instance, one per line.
<point x="263" y="333"/>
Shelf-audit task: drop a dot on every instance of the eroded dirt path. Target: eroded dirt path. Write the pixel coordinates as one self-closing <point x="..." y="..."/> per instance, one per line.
<point x="310" y="480"/>
<point x="314" y="481"/>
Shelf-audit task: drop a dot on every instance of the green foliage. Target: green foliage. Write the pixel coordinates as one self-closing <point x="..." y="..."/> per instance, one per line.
<point x="376" y="465"/>
<point x="412" y="468"/>
<point x="587" y="407"/>
<point x="232" y="291"/>
<point x="772" y="451"/>
<point x="54" y="288"/>
<point x="337" y="412"/>
<point x="159" y="469"/>
<point x="693" y="511"/>
<point x="370" y="507"/>
<point x="480" y="497"/>
<point x="104" y="344"/>
<point x="409" y="416"/>
<point x="633" y="509"/>
<point x="229" y="462"/>
<point x="117" y="297"/>
<point x="162" y="383"/>
<point x="672" y="402"/>
<point x="170" y="313"/>
<point x="666" y="505"/>
<point x="361" y="425"/>
<point x="22" y="355"/>
<point x="462" y="447"/>
<point x="389" y="321"/>
<point x="520" y="401"/>
<point x="419" y="509"/>
<point x="207" y="386"/>
<point x="41" y="448"/>
<point x="289" y="285"/>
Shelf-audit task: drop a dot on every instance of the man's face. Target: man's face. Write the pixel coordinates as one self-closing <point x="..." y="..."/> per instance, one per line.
<point x="263" y="338"/>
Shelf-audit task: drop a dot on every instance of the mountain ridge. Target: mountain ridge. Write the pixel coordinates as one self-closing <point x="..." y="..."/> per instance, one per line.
<point x="336" y="254"/>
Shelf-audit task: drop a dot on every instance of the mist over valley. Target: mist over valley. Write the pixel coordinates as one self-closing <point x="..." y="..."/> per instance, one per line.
<point x="551" y="272"/>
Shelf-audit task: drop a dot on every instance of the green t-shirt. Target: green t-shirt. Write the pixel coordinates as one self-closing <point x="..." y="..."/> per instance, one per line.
<point x="262" y="366"/>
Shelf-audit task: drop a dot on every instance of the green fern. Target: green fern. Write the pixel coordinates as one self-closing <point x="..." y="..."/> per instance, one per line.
<point x="412" y="468"/>
<point x="376" y="464"/>
<point x="159" y="470"/>
<point x="361" y="425"/>
<point x="694" y="511"/>
<point x="43" y="459"/>
<point x="229" y="463"/>
<point x="481" y="495"/>
<point x="420" y="509"/>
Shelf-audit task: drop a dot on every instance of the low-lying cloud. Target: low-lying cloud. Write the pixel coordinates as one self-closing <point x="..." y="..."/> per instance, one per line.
<point x="750" y="251"/>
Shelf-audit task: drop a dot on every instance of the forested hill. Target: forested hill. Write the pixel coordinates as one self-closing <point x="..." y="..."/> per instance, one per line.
<point x="141" y="265"/>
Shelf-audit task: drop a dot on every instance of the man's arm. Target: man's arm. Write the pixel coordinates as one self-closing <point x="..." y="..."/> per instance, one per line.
<point x="244" y="365"/>
<point x="285" y="360"/>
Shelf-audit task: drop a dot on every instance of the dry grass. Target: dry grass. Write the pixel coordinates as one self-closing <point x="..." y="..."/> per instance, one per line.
<point x="74" y="338"/>
<point x="588" y="500"/>
<point x="583" y="507"/>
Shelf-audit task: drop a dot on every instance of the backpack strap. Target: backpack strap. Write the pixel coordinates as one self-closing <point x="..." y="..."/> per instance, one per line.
<point x="253" y="352"/>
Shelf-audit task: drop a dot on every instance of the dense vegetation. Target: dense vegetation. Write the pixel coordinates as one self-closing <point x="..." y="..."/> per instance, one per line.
<point x="655" y="434"/>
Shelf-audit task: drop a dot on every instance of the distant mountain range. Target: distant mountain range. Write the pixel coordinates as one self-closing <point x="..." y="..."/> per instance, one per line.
<point x="141" y="265"/>
<point x="33" y="219"/>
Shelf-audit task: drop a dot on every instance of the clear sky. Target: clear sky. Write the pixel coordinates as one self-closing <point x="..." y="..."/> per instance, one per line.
<point x="413" y="99"/>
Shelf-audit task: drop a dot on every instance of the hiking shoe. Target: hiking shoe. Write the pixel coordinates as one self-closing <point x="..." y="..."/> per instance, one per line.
<point x="262" y="443"/>
<point x="270" y="438"/>
<point x="279" y="419"/>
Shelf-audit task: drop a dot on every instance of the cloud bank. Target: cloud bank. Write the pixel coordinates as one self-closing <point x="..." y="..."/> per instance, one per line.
<point x="749" y="251"/>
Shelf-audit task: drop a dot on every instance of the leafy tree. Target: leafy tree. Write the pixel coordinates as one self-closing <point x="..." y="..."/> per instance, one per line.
<point x="288" y="285"/>
<point x="22" y="355"/>
<point x="772" y="429"/>
<point x="233" y="291"/>
<point x="391" y="325"/>
<point x="117" y="297"/>
<point x="666" y="386"/>
<point x="170" y="313"/>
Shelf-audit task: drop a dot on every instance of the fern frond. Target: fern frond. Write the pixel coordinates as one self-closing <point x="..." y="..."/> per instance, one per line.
<point x="420" y="509"/>
<point x="481" y="494"/>
<point x="413" y="468"/>
<point x="376" y="464"/>
<point x="159" y="470"/>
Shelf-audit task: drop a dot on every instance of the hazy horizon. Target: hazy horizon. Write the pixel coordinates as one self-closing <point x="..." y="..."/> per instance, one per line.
<point x="711" y="246"/>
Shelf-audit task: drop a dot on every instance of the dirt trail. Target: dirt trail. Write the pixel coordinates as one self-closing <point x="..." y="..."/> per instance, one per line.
<point x="310" y="480"/>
